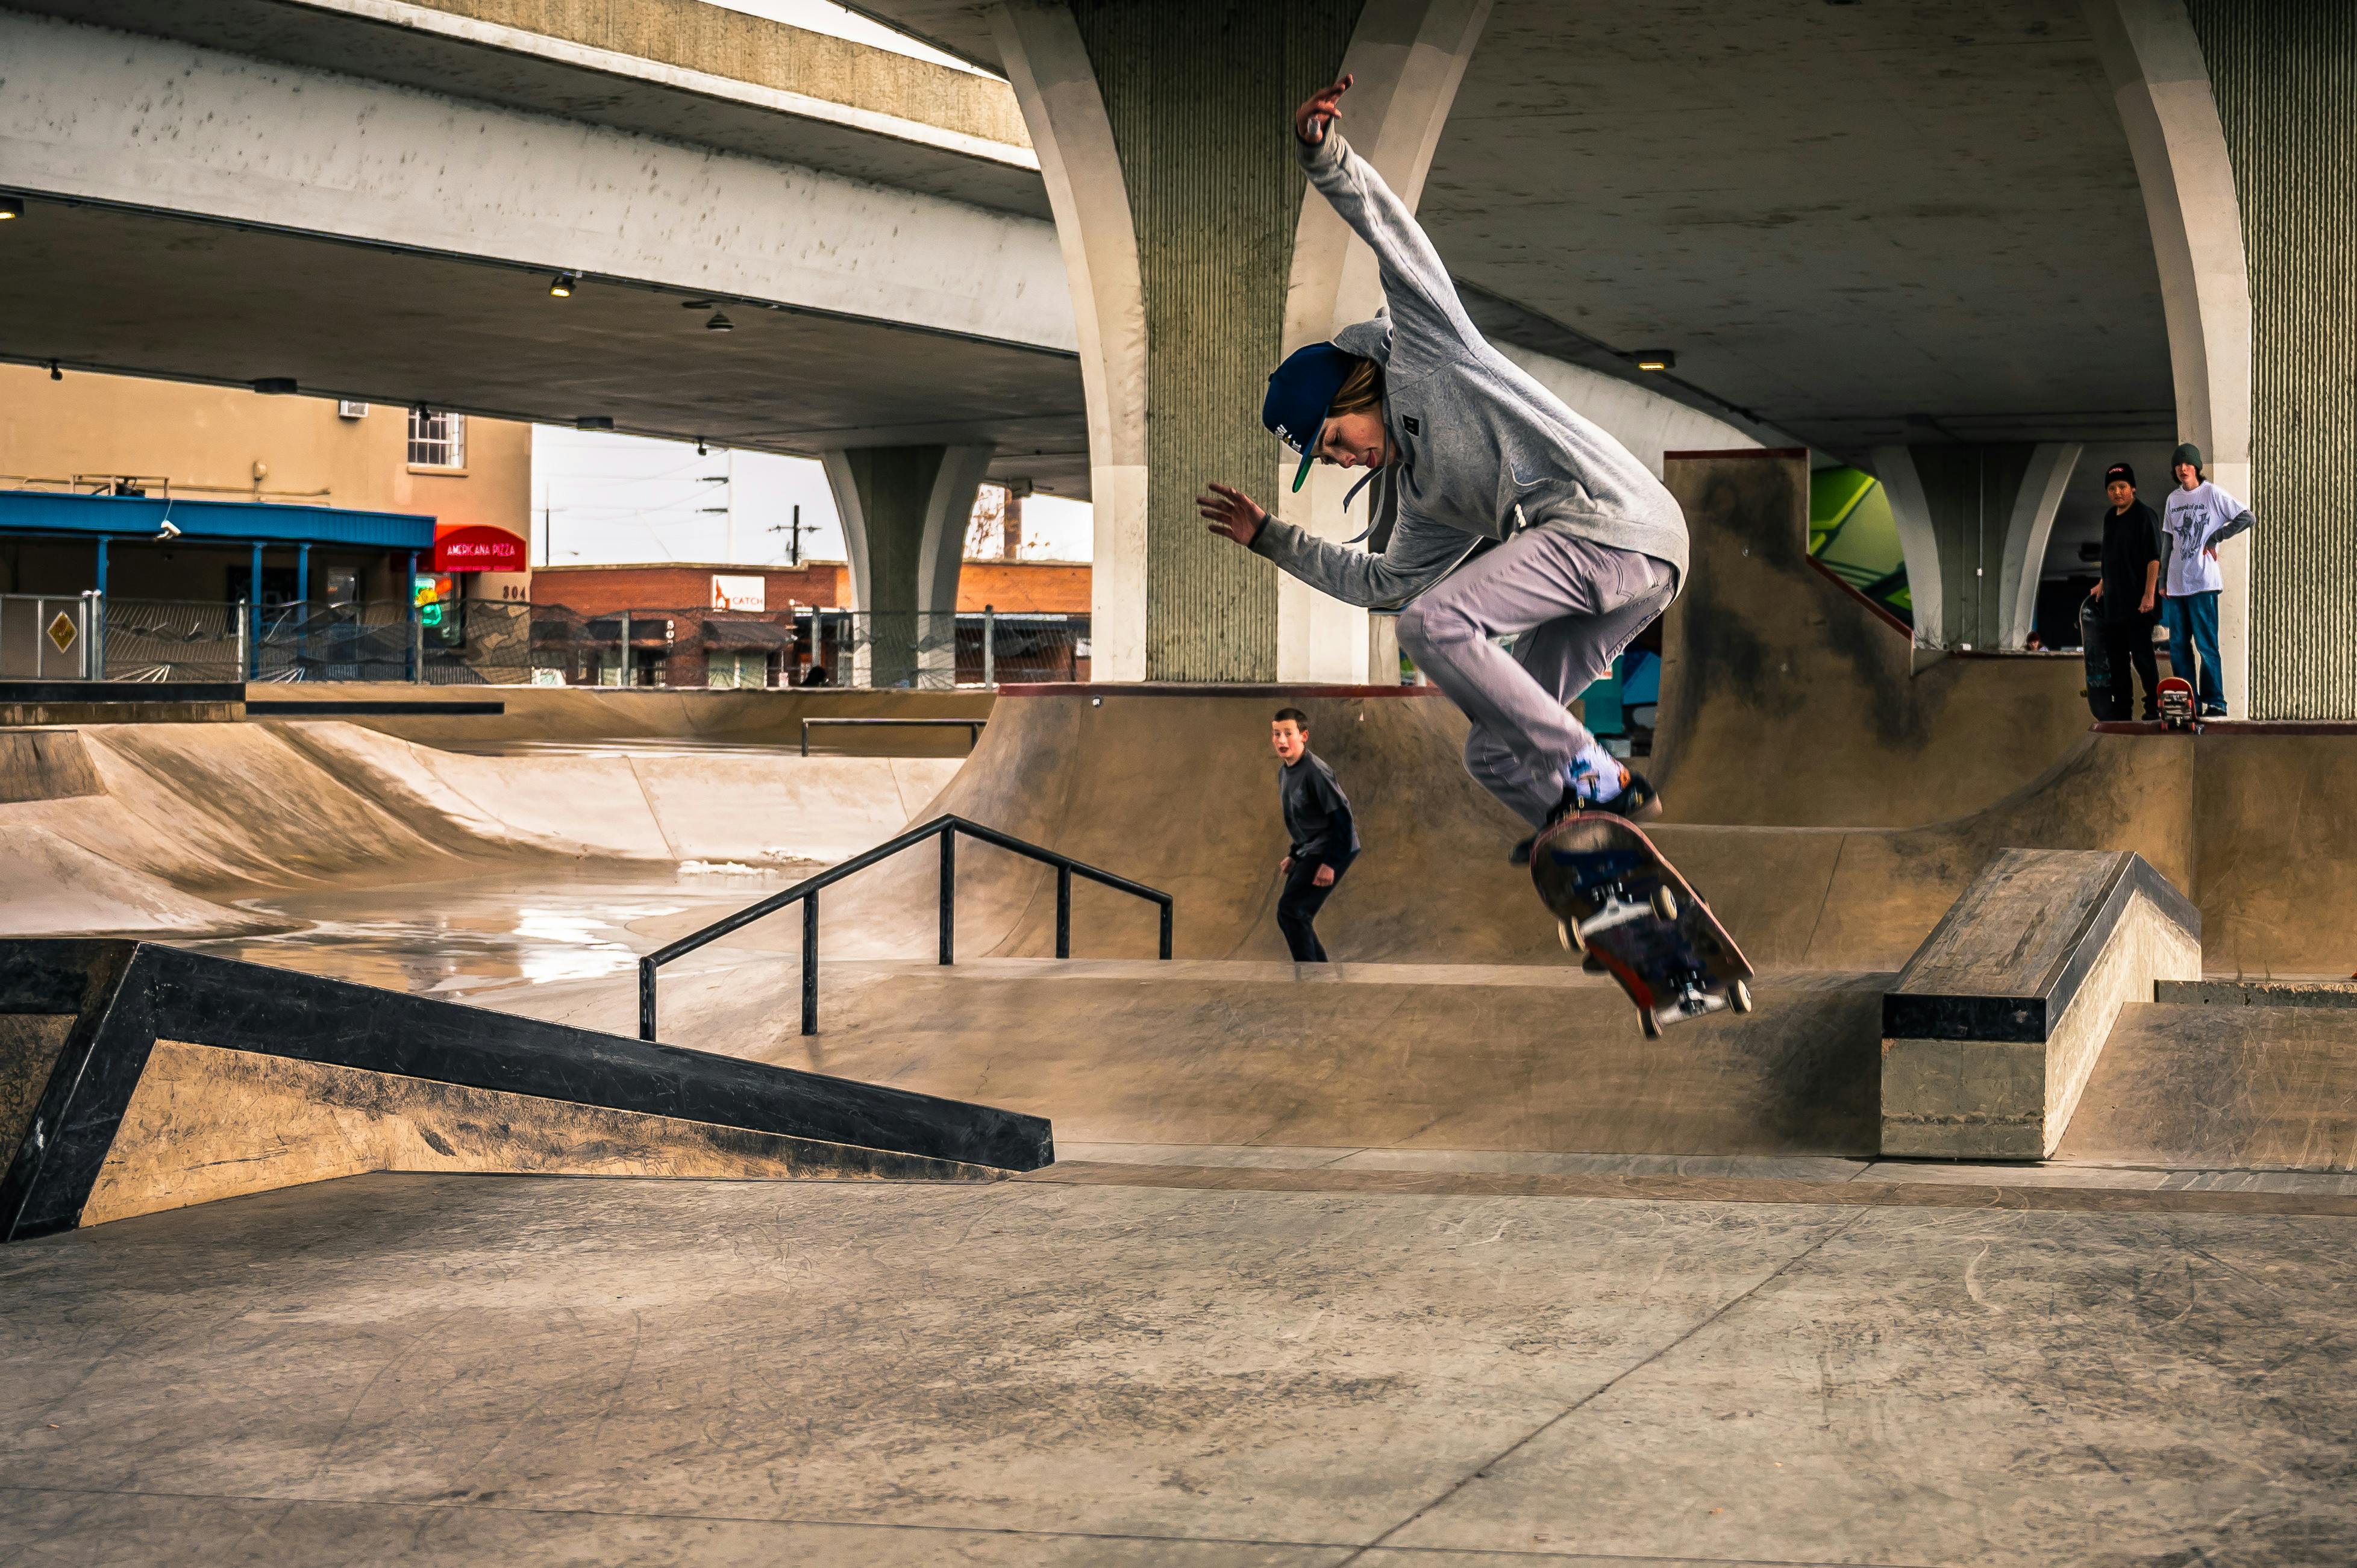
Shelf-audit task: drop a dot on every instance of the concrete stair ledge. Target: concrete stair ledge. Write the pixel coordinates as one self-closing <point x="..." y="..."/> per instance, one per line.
<point x="1997" y="1022"/>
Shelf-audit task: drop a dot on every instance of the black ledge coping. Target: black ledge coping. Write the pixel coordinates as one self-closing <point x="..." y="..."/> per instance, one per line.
<point x="122" y="691"/>
<point x="269" y="708"/>
<point x="128" y="996"/>
<point x="2029" y="1017"/>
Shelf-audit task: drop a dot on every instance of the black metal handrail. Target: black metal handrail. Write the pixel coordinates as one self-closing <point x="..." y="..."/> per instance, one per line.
<point x="805" y="892"/>
<point x="973" y="727"/>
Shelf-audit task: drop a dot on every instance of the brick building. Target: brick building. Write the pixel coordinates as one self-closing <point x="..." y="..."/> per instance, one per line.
<point x="696" y="624"/>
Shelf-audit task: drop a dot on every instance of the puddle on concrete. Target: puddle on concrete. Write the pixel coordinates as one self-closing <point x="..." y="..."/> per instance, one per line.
<point x="464" y="939"/>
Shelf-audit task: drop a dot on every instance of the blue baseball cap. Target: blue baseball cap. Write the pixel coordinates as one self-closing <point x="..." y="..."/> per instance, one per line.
<point x="1301" y="390"/>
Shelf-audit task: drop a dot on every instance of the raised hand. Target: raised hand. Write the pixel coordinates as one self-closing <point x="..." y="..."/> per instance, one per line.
<point x="1309" y="121"/>
<point x="1232" y="513"/>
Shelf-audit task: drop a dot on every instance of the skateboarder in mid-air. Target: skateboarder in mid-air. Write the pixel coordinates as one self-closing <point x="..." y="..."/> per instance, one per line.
<point x="1498" y="511"/>
<point x="1321" y="838"/>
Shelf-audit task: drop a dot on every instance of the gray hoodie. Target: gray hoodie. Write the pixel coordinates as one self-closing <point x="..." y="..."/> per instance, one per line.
<point x="1483" y="450"/>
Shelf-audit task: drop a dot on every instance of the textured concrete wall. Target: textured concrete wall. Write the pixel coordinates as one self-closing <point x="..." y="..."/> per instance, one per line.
<point x="1198" y="99"/>
<point x="2285" y="74"/>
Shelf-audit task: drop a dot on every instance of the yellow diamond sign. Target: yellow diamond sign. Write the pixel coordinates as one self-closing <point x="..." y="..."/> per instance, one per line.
<point x="62" y="631"/>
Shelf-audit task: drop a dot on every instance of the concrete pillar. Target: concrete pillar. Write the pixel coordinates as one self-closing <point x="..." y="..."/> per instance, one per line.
<point x="2162" y="87"/>
<point x="1164" y="133"/>
<point x="1972" y="523"/>
<point x="2028" y="527"/>
<point x="904" y="513"/>
<point x="1918" y="542"/>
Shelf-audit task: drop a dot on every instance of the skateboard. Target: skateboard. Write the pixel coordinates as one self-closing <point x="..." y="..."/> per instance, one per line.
<point x="2176" y="700"/>
<point x="1616" y="898"/>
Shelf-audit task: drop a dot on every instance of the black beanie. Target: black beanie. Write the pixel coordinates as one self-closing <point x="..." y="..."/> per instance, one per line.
<point x="2120" y="471"/>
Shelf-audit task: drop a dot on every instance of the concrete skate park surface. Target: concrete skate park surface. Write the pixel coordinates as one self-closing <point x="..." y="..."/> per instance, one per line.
<point x="145" y="829"/>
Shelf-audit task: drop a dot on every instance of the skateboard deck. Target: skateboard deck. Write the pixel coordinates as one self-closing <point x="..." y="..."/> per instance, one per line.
<point x="2176" y="701"/>
<point x="1614" y="895"/>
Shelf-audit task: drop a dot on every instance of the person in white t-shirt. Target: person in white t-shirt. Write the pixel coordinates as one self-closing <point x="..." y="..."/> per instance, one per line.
<point x="2198" y="518"/>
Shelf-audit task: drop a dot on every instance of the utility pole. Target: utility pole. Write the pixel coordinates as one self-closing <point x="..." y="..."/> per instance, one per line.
<point x="793" y="533"/>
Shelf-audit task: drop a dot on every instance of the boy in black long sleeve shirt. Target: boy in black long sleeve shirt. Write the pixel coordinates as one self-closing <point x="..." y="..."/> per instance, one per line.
<point x="1318" y="822"/>
<point x="2127" y="593"/>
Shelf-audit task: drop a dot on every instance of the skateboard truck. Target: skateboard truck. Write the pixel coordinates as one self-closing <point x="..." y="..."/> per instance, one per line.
<point x="1621" y="909"/>
<point x="2174" y="701"/>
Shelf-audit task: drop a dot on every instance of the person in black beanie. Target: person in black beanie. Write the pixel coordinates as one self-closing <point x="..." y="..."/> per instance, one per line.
<point x="2128" y="595"/>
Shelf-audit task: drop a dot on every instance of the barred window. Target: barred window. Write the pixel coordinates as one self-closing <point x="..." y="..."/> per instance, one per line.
<point x="436" y="440"/>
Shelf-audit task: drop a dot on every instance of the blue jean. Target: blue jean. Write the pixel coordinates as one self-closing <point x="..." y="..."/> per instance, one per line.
<point x="2192" y="620"/>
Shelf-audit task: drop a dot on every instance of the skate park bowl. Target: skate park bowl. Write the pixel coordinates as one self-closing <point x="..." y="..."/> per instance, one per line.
<point x="1453" y="1021"/>
<point x="157" y="830"/>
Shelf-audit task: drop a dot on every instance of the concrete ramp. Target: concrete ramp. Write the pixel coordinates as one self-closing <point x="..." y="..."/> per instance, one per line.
<point x="2264" y="1081"/>
<point x="1174" y="786"/>
<point x="136" y="1077"/>
<point x="1788" y="699"/>
<point x="1514" y="1058"/>
<point x="168" y="823"/>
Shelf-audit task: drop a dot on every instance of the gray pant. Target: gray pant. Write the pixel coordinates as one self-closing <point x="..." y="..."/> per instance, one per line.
<point x="1571" y="605"/>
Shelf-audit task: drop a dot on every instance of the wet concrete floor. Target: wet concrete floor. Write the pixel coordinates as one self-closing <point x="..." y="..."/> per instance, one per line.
<point x="497" y="935"/>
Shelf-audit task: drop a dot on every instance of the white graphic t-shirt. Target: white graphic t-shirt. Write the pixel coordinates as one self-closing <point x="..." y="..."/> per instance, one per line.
<point x="2189" y="519"/>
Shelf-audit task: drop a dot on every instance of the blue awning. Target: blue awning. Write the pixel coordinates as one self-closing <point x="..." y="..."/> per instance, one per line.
<point x="240" y="522"/>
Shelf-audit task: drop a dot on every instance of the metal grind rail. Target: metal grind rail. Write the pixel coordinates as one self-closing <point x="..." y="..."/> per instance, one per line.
<point x="806" y="892"/>
<point x="972" y="726"/>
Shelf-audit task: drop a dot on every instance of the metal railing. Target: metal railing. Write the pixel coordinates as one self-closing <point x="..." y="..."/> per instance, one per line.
<point x="946" y="829"/>
<point x="973" y="727"/>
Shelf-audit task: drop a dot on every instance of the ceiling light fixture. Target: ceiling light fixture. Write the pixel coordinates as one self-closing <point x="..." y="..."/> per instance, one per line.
<point x="11" y="206"/>
<point x="55" y="374"/>
<point x="594" y="422"/>
<point x="561" y="285"/>
<point x="1654" y="359"/>
<point x="275" y="386"/>
<point x="719" y="323"/>
<point x="699" y="447"/>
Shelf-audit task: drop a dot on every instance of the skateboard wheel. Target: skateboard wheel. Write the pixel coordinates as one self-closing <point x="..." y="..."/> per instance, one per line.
<point x="1738" y="996"/>
<point x="1652" y="1026"/>
<point x="1665" y="904"/>
<point x="1563" y="934"/>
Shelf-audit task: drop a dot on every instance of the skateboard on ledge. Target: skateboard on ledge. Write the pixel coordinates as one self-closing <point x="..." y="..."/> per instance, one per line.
<point x="2175" y="699"/>
<point x="1617" y="899"/>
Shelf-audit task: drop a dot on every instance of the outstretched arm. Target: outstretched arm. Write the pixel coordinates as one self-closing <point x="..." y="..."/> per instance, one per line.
<point x="1417" y="285"/>
<point x="1415" y="558"/>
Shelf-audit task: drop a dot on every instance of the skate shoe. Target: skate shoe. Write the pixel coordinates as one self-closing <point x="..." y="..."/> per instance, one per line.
<point x="1638" y="800"/>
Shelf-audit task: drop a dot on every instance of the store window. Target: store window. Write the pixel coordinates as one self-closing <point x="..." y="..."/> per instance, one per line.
<point x="436" y="440"/>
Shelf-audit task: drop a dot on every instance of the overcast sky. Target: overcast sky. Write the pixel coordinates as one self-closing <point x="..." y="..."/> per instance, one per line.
<point x="599" y="499"/>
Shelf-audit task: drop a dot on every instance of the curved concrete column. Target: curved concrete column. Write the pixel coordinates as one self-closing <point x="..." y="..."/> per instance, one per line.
<point x="905" y="511"/>
<point x="2027" y="531"/>
<point x="1895" y="466"/>
<point x="1407" y="57"/>
<point x="2162" y="87"/>
<point x="1057" y="85"/>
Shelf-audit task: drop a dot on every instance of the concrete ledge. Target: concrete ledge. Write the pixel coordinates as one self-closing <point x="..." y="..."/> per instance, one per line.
<point x="26" y="702"/>
<point x="1996" y="1023"/>
<point x="2257" y="992"/>
<point x="136" y="1078"/>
